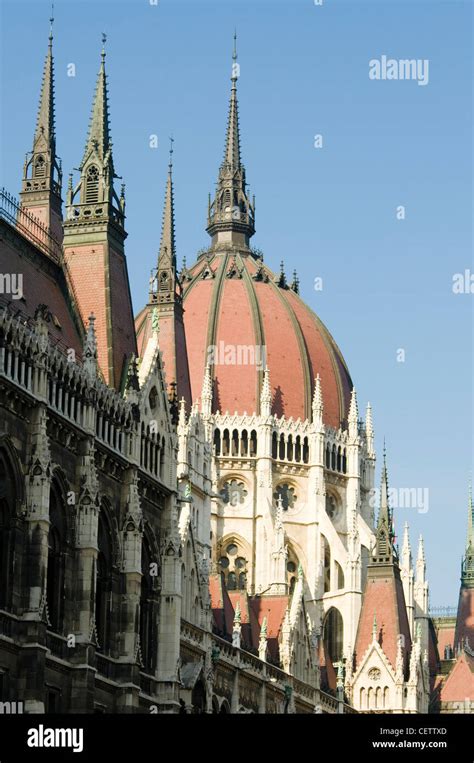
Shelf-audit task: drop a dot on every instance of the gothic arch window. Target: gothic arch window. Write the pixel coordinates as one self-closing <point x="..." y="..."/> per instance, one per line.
<point x="8" y="498"/>
<point x="147" y="610"/>
<point x="333" y="458"/>
<point x="217" y="441"/>
<point x="339" y="459"/>
<point x="326" y="559"/>
<point x="233" y="565"/>
<point x="40" y="167"/>
<point x="274" y="445"/>
<point x="328" y="457"/>
<point x="226" y="443"/>
<point x="333" y="634"/>
<point x="362" y="699"/>
<point x="339" y="576"/>
<point x="332" y="507"/>
<point x="305" y="451"/>
<point x="289" y="451"/>
<point x="281" y="449"/>
<point x="244" y="443"/>
<point x="235" y="443"/>
<point x="55" y="573"/>
<point x="344" y="461"/>
<point x="298" y="449"/>
<point x="253" y="443"/>
<point x="103" y="591"/>
<point x="153" y="398"/>
<point x="92" y="184"/>
<point x="291" y="569"/>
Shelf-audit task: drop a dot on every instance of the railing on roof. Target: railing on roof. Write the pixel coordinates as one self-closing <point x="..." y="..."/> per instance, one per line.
<point x="29" y="225"/>
<point x="443" y="611"/>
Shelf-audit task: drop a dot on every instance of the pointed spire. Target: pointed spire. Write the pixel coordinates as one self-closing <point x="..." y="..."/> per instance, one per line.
<point x="42" y="172"/>
<point x="206" y="394"/>
<point x="353" y="414"/>
<point x="89" y="353"/>
<point x="45" y="120"/>
<point x="467" y="577"/>
<point x="369" y="431"/>
<point x="232" y="141"/>
<point x="182" y="416"/>
<point x="295" y="284"/>
<point x="406" y="550"/>
<point x="384" y="552"/>
<point x="98" y="139"/>
<point x="318" y="406"/>
<point x="281" y="280"/>
<point x="167" y="255"/>
<point x="266" y="394"/>
<point x="232" y="210"/>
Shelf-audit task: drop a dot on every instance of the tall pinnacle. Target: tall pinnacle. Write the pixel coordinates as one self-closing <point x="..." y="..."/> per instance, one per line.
<point x="42" y="173"/>
<point x="232" y="144"/>
<point x="384" y="551"/>
<point x="167" y="254"/>
<point x="467" y="577"/>
<point x="45" y="119"/>
<point x="231" y="216"/>
<point x="98" y="139"/>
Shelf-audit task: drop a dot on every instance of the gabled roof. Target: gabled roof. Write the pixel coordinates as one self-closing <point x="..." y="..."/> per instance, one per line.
<point x="459" y="684"/>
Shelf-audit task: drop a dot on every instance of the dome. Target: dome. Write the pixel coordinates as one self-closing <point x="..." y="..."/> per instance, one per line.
<point x="229" y="311"/>
<point x="240" y="316"/>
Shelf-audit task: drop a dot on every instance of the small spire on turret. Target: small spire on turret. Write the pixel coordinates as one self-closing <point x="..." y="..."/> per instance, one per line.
<point x="266" y="394"/>
<point x="318" y="405"/>
<point x="406" y="550"/>
<point x="206" y="394"/>
<point x="420" y="562"/>
<point x="295" y="284"/>
<point x="369" y="431"/>
<point x="281" y="281"/>
<point x="353" y="418"/>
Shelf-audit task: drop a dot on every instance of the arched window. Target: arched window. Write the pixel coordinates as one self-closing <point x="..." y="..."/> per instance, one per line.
<point x="217" y="441"/>
<point x="274" y="445"/>
<point x="92" y="184"/>
<point x="333" y="634"/>
<point x="289" y="450"/>
<point x="344" y="461"/>
<point x="305" y="451"/>
<point x="244" y="443"/>
<point x="333" y="458"/>
<point x="328" y="457"/>
<point x="8" y="498"/>
<point x="291" y="569"/>
<point x="298" y="449"/>
<point x="55" y="574"/>
<point x="103" y="591"/>
<point x="235" y="443"/>
<point x="147" y="611"/>
<point x="281" y="450"/>
<point x="226" y="443"/>
<point x="40" y="167"/>
<point x="233" y="566"/>
<point x="339" y="576"/>
<point x="253" y="443"/>
<point x="326" y="558"/>
<point x="339" y="459"/>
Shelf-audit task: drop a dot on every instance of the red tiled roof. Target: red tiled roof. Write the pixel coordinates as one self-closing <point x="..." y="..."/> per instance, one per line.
<point x="384" y="598"/>
<point x="459" y="685"/>
<point x="249" y="313"/>
<point x="465" y="618"/>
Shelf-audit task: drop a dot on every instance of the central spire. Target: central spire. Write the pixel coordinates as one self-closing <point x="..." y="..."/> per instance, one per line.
<point x="384" y="551"/>
<point x="231" y="216"/>
<point x="467" y="576"/>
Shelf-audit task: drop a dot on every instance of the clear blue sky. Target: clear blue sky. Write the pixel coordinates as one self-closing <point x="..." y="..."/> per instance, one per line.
<point x="328" y="212"/>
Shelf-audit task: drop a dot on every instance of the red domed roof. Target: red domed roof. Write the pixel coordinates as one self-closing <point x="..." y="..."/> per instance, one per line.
<point x="231" y="302"/>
